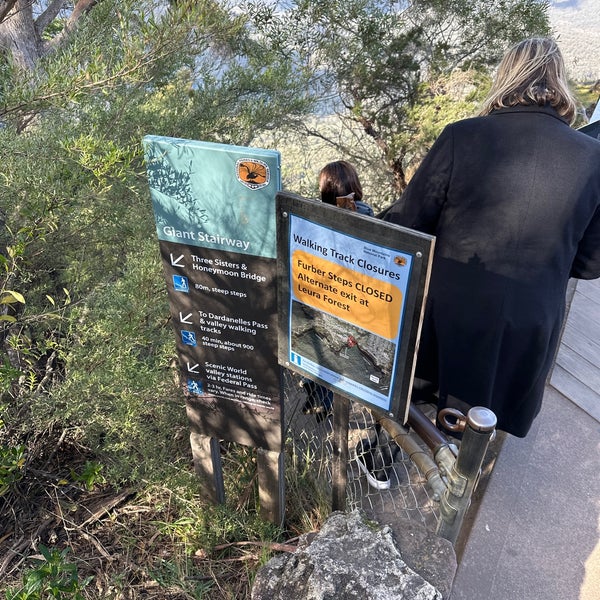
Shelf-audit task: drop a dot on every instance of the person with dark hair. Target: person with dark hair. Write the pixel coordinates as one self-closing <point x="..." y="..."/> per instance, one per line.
<point x="340" y="186"/>
<point x="513" y="198"/>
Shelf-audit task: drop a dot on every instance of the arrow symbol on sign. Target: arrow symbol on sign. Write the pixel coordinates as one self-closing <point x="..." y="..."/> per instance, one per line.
<point x="183" y="319"/>
<point x="193" y="369"/>
<point x="175" y="261"/>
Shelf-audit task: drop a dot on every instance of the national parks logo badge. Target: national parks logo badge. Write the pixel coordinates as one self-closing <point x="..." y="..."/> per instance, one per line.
<point x="400" y="261"/>
<point x="253" y="173"/>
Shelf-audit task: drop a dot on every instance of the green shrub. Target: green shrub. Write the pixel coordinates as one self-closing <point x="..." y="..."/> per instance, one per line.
<point x="12" y="459"/>
<point x="50" y="577"/>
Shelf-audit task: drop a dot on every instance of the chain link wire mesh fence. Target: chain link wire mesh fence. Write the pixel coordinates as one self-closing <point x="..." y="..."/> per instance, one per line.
<point x="382" y="478"/>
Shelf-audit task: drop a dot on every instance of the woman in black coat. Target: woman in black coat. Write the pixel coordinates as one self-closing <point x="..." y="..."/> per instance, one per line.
<point x="513" y="199"/>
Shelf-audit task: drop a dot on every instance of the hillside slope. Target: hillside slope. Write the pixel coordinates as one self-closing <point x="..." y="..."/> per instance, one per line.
<point x="576" y="25"/>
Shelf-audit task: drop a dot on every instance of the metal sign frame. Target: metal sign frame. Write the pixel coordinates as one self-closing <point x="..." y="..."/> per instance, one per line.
<point x="592" y="129"/>
<point x="361" y="278"/>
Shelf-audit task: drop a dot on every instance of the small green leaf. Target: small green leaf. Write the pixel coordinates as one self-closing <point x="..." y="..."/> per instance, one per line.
<point x="10" y="297"/>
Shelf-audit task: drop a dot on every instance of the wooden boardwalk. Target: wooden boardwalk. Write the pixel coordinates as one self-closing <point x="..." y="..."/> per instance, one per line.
<point x="576" y="373"/>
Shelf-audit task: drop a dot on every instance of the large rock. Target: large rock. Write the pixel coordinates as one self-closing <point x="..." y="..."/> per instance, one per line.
<point x="350" y="558"/>
<point x="430" y="555"/>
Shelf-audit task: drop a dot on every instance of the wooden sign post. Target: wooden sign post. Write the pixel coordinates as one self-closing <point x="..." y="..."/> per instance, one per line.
<point x="214" y="207"/>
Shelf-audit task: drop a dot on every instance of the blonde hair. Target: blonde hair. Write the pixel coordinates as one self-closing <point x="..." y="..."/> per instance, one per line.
<point x="532" y="72"/>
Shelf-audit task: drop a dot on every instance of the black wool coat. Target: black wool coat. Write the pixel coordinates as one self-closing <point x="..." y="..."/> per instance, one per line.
<point x="513" y="200"/>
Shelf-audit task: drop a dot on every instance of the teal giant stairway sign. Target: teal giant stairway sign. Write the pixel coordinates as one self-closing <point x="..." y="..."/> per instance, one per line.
<point x="214" y="208"/>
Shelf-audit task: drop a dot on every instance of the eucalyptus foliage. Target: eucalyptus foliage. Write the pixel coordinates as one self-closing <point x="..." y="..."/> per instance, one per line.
<point x="76" y="222"/>
<point x="375" y="63"/>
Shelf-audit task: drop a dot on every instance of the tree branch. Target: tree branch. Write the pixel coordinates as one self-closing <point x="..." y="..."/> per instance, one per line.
<point x="81" y="8"/>
<point x="79" y="86"/>
<point x="48" y="16"/>
<point x="5" y="7"/>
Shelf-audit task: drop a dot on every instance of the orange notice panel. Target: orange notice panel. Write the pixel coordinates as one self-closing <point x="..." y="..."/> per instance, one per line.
<point x="360" y="299"/>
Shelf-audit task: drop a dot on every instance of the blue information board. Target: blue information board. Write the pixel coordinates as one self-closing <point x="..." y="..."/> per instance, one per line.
<point x="351" y="300"/>
<point x="214" y="207"/>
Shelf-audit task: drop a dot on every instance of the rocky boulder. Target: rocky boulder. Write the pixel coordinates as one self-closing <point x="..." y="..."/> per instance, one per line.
<point x="350" y="558"/>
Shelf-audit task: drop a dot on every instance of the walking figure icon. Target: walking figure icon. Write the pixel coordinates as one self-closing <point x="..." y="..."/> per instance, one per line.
<point x="195" y="387"/>
<point x="180" y="284"/>
<point x="188" y="337"/>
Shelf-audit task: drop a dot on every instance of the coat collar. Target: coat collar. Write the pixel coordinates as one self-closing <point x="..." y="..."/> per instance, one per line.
<point x="531" y="108"/>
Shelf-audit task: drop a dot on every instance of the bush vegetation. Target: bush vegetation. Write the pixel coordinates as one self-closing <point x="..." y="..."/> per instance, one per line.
<point x="98" y="497"/>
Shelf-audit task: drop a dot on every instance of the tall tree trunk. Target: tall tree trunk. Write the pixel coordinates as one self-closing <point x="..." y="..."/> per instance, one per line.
<point x="21" y="36"/>
<point x="5" y="8"/>
<point x="398" y="174"/>
<point x="18" y="36"/>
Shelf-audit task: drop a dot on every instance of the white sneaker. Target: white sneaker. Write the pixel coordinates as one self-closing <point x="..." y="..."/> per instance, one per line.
<point x="377" y="476"/>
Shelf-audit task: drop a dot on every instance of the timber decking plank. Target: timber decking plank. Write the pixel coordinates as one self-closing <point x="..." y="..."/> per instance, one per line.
<point x="585" y="306"/>
<point x="589" y="287"/>
<point x="572" y="362"/>
<point x="583" y="320"/>
<point x="576" y="373"/>
<point x="579" y="393"/>
<point x="587" y="347"/>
